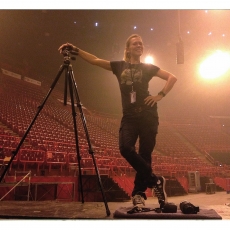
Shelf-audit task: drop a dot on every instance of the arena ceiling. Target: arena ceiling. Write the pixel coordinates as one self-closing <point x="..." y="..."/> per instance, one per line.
<point x="30" y="38"/>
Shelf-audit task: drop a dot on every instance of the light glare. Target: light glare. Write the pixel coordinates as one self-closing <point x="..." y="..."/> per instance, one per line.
<point x="216" y="65"/>
<point x="149" y="59"/>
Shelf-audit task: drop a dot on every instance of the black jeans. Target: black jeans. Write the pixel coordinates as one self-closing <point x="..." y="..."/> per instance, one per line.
<point x="142" y="125"/>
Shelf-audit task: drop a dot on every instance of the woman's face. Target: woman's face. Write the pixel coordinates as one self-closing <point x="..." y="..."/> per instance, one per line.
<point x="135" y="48"/>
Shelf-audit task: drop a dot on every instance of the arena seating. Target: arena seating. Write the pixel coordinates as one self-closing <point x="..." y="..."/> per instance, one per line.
<point x="51" y="145"/>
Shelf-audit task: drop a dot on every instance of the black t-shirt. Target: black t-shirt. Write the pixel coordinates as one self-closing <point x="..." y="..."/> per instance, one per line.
<point x="134" y="77"/>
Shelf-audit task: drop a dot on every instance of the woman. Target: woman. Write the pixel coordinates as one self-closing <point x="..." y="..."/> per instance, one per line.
<point x="140" y="116"/>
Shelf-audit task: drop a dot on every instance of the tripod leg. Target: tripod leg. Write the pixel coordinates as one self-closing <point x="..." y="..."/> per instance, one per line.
<point x="65" y="89"/>
<point x="87" y="136"/>
<point x="34" y="119"/>
<point x="75" y="131"/>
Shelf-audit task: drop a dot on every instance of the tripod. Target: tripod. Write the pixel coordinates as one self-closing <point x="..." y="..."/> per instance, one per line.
<point x="69" y="79"/>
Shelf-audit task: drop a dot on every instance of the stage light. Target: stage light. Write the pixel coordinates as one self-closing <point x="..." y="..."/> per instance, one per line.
<point x="215" y="65"/>
<point x="149" y="59"/>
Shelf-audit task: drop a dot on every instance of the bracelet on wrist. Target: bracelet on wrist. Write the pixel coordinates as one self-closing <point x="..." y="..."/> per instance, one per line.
<point x="162" y="94"/>
<point x="76" y="50"/>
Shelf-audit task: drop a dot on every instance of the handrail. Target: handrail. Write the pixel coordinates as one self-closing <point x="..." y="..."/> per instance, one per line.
<point x="27" y="175"/>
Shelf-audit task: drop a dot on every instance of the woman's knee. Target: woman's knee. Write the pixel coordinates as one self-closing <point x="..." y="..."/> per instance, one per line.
<point x="126" y="151"/>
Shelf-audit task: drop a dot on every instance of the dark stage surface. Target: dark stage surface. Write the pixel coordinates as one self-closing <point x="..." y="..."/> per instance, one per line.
<point x="52" y="210"/>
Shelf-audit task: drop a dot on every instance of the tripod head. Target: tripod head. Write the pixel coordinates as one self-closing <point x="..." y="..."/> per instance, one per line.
<point x="67" y="52"/>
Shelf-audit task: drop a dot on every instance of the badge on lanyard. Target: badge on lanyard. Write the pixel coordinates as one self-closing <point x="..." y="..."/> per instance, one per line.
<point x="132" y="93"/>
<point x="132" y="96"/>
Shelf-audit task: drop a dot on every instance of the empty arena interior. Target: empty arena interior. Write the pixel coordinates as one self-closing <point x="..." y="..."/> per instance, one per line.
<point x="192" y="150"/>
<point x="196" y="149"/>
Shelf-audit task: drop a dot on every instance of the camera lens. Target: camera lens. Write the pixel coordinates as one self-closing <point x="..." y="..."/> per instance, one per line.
<point x="182" y="204"/>
<point x="186" y="207"/>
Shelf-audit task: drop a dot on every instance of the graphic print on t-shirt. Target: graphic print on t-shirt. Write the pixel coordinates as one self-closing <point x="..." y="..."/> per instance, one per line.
<point x="128" y="76"/>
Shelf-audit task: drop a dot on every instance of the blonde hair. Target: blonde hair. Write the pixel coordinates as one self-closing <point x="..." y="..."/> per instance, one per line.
<point x="126" y="54"/>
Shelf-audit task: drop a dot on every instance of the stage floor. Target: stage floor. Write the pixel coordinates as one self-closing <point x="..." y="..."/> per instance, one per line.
<point x="50" y="210"/>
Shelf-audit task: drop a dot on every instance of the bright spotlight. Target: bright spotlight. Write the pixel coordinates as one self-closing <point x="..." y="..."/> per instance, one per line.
<point x="216" y="65"/>
<point x="149" y="59"/>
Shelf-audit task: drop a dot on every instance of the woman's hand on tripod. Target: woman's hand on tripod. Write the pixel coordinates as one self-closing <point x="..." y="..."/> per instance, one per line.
<point x="66" y="45"/>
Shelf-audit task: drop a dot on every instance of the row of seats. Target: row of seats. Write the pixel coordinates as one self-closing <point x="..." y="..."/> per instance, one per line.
<point x="28" y="157"/>
<point x="54" y="125"/>
<point x="205" y="137"/>
<point x="53" y="130"/>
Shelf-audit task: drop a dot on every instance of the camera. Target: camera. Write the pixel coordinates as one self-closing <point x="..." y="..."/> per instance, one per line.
<point x="188" y="208"/>
<point x="169" y="208"/>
